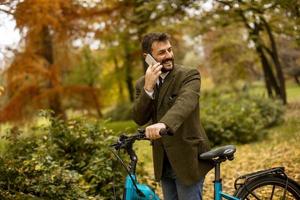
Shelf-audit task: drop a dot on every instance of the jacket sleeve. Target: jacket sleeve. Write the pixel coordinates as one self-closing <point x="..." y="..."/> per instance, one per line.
<point x="185" y="103"/>
<point x="142" y="106"/>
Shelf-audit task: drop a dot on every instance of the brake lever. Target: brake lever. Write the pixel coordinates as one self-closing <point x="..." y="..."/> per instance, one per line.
<point x="120" y="142"/>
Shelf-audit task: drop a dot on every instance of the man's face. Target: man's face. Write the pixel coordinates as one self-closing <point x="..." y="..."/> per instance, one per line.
<point x="162" y="53"/>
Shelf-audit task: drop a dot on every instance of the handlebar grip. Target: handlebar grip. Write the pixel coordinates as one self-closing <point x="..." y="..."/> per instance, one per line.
<point x="165" y="131"/>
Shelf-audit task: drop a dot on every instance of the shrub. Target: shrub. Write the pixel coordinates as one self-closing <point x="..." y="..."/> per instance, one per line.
<point x="62" y="160"/>
<point x="237" y="117"/>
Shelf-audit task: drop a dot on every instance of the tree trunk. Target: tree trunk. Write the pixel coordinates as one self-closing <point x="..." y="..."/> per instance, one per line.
<point x="272" y="83"/>
<point x="275" y="58"/>
<point x="46" y="51"/>
<point x="97" y="104"/>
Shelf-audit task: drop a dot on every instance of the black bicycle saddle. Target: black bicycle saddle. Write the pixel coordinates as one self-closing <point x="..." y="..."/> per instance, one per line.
<point x="224" y="151"/>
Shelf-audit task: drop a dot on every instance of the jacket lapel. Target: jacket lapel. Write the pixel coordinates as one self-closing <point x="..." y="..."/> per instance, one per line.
<point x="169" y="80"/>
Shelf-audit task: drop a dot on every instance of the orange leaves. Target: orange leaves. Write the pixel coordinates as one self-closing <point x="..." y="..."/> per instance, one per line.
<point x="26" y="68"/>
<point x="64" y="17"/>
<point x="39" y="13"/>
<point x="15" y="107"/>
<point x="37" y="73"/>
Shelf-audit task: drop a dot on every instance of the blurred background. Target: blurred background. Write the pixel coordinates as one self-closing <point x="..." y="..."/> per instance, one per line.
<point x="68" y="70"/>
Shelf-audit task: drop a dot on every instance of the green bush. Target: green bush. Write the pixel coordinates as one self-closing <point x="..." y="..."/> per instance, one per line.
<point x="237" y="117"/>
<point x="62" y="160"/>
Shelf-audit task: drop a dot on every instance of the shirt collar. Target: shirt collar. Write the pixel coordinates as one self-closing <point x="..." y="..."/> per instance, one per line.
<point x="164" y="75"/>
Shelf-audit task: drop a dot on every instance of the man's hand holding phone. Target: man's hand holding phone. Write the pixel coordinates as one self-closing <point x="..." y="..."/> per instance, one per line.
<point x="152" y="73"/>
<point x="151" y="76"/>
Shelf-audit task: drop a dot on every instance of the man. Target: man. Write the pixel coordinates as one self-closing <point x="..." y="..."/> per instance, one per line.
<point x="168" y="97"/>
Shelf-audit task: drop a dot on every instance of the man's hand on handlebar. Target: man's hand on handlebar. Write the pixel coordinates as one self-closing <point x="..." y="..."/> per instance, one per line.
<point x="152" y="131"/>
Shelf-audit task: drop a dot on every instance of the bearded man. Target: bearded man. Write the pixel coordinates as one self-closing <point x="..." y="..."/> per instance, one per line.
<point x="167" y="97"/>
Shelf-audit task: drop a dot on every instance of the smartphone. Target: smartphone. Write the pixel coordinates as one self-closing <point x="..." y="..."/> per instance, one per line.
<point x="150" y="60"/>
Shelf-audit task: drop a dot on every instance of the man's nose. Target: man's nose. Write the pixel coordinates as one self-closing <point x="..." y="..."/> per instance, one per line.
<point x="169" y="54"/>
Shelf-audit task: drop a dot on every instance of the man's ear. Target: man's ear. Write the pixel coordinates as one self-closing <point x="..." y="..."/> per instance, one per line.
<point x="144" y="54"/>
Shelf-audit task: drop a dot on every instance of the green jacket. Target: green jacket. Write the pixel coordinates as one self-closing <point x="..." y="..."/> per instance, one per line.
<point x="177" y="106"/>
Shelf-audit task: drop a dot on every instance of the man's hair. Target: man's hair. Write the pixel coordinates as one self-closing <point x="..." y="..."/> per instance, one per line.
<point x="149" y="38"/>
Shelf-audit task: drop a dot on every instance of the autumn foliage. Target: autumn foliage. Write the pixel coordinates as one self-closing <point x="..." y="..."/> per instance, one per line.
<point x="34" y="80"/>
<point x="233" y="40"/>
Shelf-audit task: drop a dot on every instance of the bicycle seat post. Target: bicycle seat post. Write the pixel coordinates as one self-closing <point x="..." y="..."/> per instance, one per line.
<point x="218" y="172"/>
<point x="218" y="169"/>
<point x="218" y="179"/>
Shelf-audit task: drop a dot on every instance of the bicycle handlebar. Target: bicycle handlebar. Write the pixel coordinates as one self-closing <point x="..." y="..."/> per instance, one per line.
<point x="125" y="141"/>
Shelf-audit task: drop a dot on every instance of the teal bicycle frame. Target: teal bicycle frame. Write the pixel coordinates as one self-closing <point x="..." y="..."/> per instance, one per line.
<point x="144" y="192"/>
<point x="219" y="194"/>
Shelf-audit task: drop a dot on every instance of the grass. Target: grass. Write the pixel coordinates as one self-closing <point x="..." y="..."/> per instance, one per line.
<point x="292" y="90"/>
<point x="293" y="93"/>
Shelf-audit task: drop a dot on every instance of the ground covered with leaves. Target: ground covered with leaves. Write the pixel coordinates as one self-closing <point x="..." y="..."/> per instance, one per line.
<point x="280" y="148"/>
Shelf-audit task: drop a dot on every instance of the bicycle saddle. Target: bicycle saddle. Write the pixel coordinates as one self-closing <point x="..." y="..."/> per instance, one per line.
<point x="224" y="151"/>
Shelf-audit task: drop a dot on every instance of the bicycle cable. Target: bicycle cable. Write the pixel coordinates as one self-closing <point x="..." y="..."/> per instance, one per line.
<point x="139" y="192"/>
<point x="114" y="188"/>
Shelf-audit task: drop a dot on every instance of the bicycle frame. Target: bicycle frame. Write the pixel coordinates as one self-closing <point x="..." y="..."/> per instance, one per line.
<point x="144" y="192"/>
<point x="219" y="193"/>
<point x="135" y="191"/>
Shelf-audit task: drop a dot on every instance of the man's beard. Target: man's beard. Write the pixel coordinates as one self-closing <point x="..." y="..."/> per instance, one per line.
<point x="163" y="69"/>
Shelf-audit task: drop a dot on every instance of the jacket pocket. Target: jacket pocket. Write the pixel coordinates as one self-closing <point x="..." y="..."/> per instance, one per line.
<point x="171" y="99"/>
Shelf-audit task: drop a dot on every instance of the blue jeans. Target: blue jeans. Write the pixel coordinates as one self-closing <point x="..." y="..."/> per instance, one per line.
<point x="173" y="189"/>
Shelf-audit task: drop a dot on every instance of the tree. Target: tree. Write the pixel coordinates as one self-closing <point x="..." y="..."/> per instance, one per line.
<point x="35" y="77"/>
<point x="254" y="18"/>
<point x="261" y="20"/>
<point x="228" y="57"/>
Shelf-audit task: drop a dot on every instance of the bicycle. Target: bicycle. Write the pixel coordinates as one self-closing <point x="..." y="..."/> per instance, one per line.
<point x="265" y="184"/>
